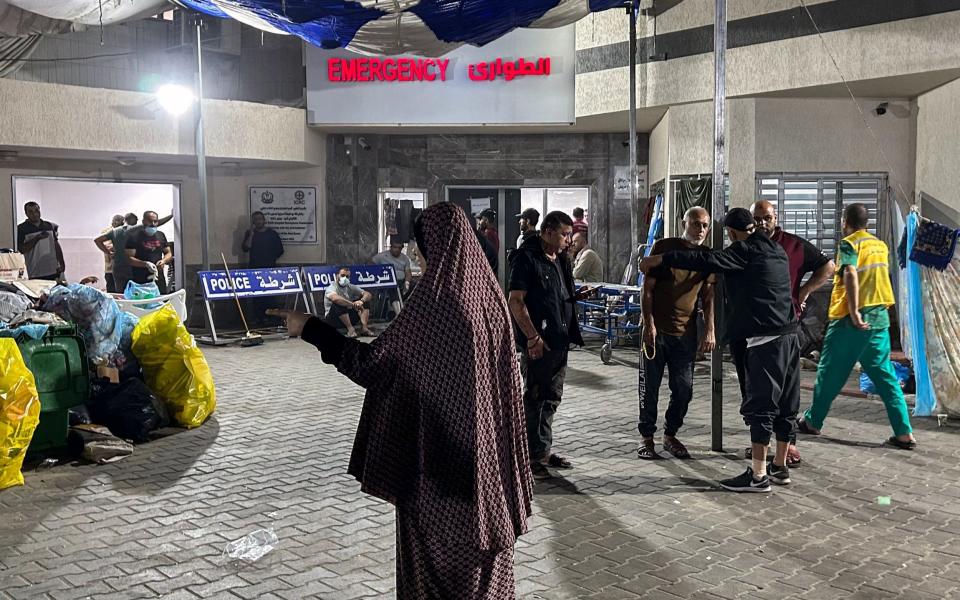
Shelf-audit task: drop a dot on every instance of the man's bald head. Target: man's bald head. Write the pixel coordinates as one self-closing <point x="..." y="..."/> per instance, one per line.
<point x="696" y="224"/>
<point x="579" y="242"/>
<point x="765" y="215"/>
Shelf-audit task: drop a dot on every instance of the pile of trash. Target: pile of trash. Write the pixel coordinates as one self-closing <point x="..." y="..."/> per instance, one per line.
<point x="138" y="375"/>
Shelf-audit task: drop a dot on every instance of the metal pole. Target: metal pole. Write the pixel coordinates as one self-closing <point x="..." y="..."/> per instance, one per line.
<point x="201" y="158"/>
<point x="634" y="184"/>
<point x="719" y="151"/>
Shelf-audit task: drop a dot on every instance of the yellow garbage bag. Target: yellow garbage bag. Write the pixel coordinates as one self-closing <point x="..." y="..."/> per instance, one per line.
<point x="19" y="412"/>
<point x="174" y="368"/>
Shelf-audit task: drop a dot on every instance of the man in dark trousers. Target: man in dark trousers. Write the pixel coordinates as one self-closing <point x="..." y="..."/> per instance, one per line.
<point x="758" y="296"/>
<point x="265" y="247"/>
<point x="672" y="300"/>
<point x="803" y="258"/>
<point x="543" y="304"/>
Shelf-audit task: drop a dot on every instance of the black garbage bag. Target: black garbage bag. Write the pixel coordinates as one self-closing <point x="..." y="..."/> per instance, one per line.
<point x="128" y="409"/>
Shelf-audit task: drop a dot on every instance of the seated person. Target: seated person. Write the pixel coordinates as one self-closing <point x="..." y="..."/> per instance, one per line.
<point x="346" y="305"/>
<point x="401" y="268"/>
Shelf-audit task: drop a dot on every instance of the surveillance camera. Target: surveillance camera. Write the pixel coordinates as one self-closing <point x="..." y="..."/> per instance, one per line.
<point x="881" y="109"/>
<point x="363" y="143"/>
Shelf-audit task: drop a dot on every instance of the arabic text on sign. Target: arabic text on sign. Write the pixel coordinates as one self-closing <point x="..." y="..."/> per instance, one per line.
<point x="387" y="69"/>
<point x="509" y="70"/>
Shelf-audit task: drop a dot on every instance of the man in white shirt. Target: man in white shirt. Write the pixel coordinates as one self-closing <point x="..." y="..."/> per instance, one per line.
<point x="587" y="266"/>
<point x="401" y="267"/>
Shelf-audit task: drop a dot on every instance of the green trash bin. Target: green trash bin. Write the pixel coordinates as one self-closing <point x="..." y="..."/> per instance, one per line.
<point x="58" y="362"/>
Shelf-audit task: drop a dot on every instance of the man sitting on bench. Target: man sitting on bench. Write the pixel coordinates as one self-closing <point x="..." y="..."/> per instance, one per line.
<point x="347" y="305"/>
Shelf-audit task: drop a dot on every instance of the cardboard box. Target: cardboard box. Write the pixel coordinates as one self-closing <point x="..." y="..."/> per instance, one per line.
<point x="110" y="373"/>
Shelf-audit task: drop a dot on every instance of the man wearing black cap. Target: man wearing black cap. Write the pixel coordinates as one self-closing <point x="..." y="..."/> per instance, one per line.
<point x="758" y="296"/>
<point x="528" y="224"/>
<point x="487" y="226"/>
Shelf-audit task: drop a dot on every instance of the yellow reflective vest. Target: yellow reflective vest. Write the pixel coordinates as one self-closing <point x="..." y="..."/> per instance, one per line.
<point x="873" y="273"/>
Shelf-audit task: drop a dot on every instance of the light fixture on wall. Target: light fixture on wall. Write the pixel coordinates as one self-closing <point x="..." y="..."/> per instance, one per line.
<point x="230" y="164"/>
<point x="175" y="99"/>
<point x="127" y="161"/>
<point x="9" y="155"/>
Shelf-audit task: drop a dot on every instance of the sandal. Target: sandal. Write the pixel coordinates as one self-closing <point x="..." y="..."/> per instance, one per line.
<point x="368" y="333"/>
<point x="802" y="427"/>
<point x="676" y="448"/>
<point x="353" y="335"/>
<point x="558" y="462"/>
<point x="910" y="445"/>
<point x="647" y="451"/>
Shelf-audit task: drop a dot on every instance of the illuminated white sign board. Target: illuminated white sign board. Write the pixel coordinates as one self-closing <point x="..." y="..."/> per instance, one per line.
<point x="523" y="78"/>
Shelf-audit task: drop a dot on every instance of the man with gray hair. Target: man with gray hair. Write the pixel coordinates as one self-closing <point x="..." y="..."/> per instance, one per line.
<point x="670" y="334"/>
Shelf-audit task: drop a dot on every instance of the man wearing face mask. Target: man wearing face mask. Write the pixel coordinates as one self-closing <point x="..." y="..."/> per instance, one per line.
<point x="758" y="294"/>
<point x="346" y="305"/>
<point x="148" y="252"/>
<point x="117" y="237"/>
<point x="670" y="334"/>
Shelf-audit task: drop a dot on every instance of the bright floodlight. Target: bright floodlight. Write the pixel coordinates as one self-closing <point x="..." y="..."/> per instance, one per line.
<point x="175" y="99"/>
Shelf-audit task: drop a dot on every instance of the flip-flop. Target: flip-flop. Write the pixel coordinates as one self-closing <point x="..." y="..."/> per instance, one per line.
<point x="558" y="462"/>
<point x="353" y="335"/>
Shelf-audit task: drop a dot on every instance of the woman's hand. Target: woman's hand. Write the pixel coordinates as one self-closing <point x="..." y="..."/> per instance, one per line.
<point x="294" y="320"/>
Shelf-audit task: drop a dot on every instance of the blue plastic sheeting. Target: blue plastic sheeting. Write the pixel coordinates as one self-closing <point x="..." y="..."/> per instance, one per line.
<point x="926" y="398"/>
<point x="335" y="23"/>
<point x="106" y="329"/>
<point x="35" y="331"/>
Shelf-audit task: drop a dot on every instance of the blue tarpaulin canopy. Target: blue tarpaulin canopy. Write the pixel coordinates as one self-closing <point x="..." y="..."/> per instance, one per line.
<point x="426" y="27"/>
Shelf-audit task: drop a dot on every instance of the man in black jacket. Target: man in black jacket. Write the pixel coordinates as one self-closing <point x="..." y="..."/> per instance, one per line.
<point x="543" y="304"/>
<point x="758" y="296"/>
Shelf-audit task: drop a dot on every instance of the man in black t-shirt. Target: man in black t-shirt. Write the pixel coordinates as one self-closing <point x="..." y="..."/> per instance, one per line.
<point x="38" y="241"/>
<point x="542" y="302"/>
<point x="148" y="252"/>
<point x="265" y="247"/>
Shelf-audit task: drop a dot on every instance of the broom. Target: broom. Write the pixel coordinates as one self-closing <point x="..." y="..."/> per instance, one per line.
<point x="251" y="339"/>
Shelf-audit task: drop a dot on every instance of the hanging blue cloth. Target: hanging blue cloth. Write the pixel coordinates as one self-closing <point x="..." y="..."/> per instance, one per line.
<point x="926" y="398"/>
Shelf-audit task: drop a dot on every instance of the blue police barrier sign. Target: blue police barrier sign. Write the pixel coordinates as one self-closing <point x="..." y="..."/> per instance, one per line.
<point x="251" y="283"/>
<point x="368" y="277"/>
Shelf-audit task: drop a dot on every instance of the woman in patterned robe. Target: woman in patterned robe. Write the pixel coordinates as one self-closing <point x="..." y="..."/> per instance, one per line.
<point x="441" y="434"/>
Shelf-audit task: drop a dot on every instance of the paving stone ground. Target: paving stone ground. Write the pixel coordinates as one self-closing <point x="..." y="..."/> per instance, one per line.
<point x="274" y="456"/>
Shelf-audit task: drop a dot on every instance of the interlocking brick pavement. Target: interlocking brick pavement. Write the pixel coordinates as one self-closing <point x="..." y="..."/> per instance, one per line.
<point x="274" y="455"/>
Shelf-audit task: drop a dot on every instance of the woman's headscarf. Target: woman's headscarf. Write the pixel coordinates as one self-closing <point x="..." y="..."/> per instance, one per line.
<point x="442" y="430"/>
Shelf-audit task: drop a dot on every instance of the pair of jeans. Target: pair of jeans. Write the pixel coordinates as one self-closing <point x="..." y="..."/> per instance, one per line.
<point x="772" y="389"/>
<point x="678" y="355"/>
<point x="843" y="346"/>
<point x="542" y="392"/>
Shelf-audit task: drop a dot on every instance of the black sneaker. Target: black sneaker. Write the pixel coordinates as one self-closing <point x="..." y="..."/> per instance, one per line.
<point x="747" y="483"/>
<point x="778" y="475"/>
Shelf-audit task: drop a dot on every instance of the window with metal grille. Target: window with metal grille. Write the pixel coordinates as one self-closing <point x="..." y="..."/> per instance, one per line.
<point x="811" y="205"/>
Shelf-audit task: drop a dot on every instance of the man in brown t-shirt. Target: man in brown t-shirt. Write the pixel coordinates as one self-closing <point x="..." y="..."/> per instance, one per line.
<point x="670" y="335"/>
